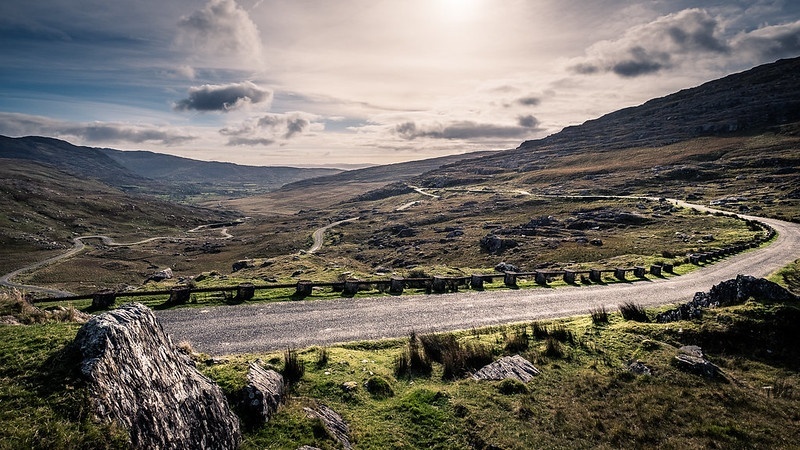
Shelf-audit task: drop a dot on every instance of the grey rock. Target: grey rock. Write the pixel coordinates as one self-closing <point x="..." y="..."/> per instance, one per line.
<point x="243" y="264"/>
<point x="161" y="275"/>
<point x="639" y="368"/>
<point x="263" y="394"/>
<point x="137" y="379"/>
<point x="493" y="244"/>
<point x="333" y="422"/>
<point x="504" y="267"/>
<point x="508" y="367"/>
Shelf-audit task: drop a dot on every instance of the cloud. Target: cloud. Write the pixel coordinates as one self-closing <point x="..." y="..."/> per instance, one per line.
<point x="96" y="132"/>
<point x="221" y="31"/>
<point x="226" y="97"/>
<point x="771" y="42"/>
<point x="656" y="46"/>
<point x="529" y="101"/>
<point x="466" y="129"/>
<point x="271" y="128"/>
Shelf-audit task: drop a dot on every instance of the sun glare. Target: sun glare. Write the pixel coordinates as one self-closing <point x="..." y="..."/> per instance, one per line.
<point x="459" y="10"/>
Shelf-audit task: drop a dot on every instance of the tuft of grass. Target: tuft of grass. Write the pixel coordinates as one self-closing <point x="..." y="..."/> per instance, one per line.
<point x="379" y="388"/>
<point x="634" y="312"/>
<point x="553" y="348"/>
<point x="322" y="357"/>
<point x="412" y="362"/>
<point x="293" y="367"/>
<point x="464" y="359"/>
<point x="519" y="341"/>
<point x="599" y="315"/>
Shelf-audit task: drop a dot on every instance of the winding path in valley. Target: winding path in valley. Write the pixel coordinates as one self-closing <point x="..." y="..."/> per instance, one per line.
<point x="78" y="246"/>
<point x="274" y="326"/>
<point x="319" y="234"/>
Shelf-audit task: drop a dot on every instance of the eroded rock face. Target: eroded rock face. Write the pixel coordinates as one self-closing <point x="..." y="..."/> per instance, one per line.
<point x="333" y="422"/>
<point x="139" y="380"/>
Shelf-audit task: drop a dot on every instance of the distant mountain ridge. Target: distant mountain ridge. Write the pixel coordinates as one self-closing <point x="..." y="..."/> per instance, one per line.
<point x="146" y="169"/>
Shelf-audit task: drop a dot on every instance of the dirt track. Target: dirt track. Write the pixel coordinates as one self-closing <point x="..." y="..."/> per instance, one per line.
<point x="266" y="327"/>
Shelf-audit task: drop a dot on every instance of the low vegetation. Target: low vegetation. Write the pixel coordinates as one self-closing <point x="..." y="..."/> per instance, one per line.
<point x="417" y="392"/>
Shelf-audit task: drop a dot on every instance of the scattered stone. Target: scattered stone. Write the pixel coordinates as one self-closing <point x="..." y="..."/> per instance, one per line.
<point x="243" y="264"/>
<point x="308" y="447"/>
<point x="727" y="293"/>
<point x="138" y="379"/>
<point x="690" y="359"/>
<point x="161" y="275"/>
<point x="596" y="242"/>
<point x="493" y="244"/>
<point x="639" y="368"/>
<point x="333" y="422"/>
<point x="263" y="394"/>
<point x="504" y="267"/>
<point x="349" y="386"/>
<point x="508" y="367"/>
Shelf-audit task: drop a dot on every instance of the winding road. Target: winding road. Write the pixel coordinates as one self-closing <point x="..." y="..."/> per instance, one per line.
<point x="319" y="234"/>
<point x="274" y="326"/>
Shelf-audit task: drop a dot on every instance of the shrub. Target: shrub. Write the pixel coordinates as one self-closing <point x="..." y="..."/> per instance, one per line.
<point x="293" y="367"/>
<point x="511" y="386"/>
<point x="599" y="315"/>
<point x="378" y="388"/>
<point x="437" y="345"/>
<point x="561" y="333"/>
<point x="632" y="311"/>
<point x="539" y="331"/>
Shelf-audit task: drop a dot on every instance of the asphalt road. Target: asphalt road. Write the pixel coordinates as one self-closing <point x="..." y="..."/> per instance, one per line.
<point x="266" y="327"/>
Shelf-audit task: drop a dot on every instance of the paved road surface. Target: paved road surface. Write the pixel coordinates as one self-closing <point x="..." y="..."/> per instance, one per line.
<point x="266" y="327"/>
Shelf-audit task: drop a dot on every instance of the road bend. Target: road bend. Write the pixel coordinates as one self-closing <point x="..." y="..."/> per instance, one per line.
<point x="298" y="324"/>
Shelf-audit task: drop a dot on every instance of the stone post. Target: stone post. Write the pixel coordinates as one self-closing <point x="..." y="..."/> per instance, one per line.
<point x="541" y="278"/>
<point x="619" y="273"/>
<point x="668" y="267"/>
<point x="179" y="295"/>
<point x="569" y="277"/>
<point x="510" y="279"/>
<point x="397" y="286"/>
<point x="639" y="271"/>
<point x="595" y="276"/>
<point x="245" y="291"/>
<point x="439" y="285"/>
<point x="103" y="299"/>
<point x="304" y="288"/>
<point x="476" y="282"/>
<point x="655" y="269"/>
<point x="350" y="287"/>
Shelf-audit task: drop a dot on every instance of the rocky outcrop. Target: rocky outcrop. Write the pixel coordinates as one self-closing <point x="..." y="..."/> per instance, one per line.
<point x="138" y="379"/>
<point x="263" y="394"/>
<point x="495" y="245"/>
<point x="508" y="367"/>
<point x="727" y="293"/>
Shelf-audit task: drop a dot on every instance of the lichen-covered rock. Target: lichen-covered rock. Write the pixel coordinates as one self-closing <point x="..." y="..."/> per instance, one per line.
<point x="138" y="379"/>
<point x="263" y="394"/>
<point x="508" y="367"/>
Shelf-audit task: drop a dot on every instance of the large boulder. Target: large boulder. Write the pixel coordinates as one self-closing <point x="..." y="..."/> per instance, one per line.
<point x="139" y="380"/>
<point x="332" y="422"/>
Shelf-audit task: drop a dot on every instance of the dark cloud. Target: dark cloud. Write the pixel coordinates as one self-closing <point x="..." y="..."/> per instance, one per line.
<point x="225" y="97"/>
<point x="236" y="141"/>
<point x="271" y="128"/>
<point x="529" y="101"/>
<point x="117" y="133"/>
<point x="528" y="121"/>
<point x="641" y="62"/>
<point x="15" y="124"/>
<point x="466" y="130"/>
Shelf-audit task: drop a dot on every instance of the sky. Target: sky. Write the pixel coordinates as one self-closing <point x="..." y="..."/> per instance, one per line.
<point x="343" y="83"/>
